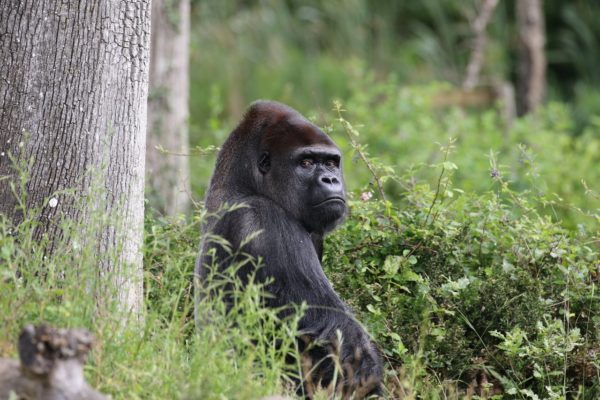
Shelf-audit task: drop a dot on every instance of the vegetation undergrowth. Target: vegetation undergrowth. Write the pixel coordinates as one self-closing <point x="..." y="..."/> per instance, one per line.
<point x="488" y="292"/>
<point x="473" y="277"/>
<point x="163" y="356"/>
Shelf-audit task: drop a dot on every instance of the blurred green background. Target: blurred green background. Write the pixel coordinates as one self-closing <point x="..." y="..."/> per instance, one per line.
<point x="386" y="62"/>
<point x="306" y="52"/>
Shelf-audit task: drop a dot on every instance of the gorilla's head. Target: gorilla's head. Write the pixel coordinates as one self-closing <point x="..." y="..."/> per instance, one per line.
<point x="277" y="153"/>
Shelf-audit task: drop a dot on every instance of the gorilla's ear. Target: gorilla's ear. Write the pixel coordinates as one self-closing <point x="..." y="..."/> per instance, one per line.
<point x="264" y="163"/>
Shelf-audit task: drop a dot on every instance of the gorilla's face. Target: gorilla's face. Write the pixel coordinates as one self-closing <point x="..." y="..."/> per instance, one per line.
<point x="306" y="179"/>
<point x="319" y="187"/>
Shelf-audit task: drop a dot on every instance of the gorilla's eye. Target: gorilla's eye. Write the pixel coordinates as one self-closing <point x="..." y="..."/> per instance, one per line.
<point x="331" y="164"/>
<point x="307" y="162"/>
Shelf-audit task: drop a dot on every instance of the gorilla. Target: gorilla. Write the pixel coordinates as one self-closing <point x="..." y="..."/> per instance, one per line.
<point x="287" y="174"/>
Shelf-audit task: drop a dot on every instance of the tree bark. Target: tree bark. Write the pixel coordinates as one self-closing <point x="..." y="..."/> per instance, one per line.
<point x="73" y="90"/>
<point x="167" y="172"/>
<point x="532" y="59"/>
<point x="479" y="26"/>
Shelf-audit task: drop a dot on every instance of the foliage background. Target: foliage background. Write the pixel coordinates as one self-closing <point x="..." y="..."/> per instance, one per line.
<point x="478" y="276"/>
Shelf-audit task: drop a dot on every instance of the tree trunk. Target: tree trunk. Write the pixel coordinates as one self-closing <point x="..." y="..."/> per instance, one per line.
<point x="479" y="26"/>
<point x="532" y="59"/>
<point x="51" y="366"/>
<point x="73" y="89"/>
<point x="167" y="172"/>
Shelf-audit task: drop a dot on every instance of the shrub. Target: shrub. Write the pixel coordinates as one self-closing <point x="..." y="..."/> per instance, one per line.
<point x="473" y="285"/>
<point x="402" y="127"/>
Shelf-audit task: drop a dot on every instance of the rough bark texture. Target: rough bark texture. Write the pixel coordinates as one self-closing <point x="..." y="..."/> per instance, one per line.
<point x="532" y="59"/>
<point x="73" y="89"/>
<point x="167" y="173"/>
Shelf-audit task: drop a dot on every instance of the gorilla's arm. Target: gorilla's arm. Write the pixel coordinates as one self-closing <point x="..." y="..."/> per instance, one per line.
<point x="286" y="249"/>
<point x="290" y="258"/>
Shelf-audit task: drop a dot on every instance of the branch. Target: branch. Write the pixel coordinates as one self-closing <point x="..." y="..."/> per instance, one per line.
<point x="479" y="27"/>
<point x="356" y="146"/>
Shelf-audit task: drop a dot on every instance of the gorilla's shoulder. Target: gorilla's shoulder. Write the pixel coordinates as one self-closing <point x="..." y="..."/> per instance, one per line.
<point x="253" y="213"/>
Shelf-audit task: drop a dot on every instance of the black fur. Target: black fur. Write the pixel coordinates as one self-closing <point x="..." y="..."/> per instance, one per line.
<point x="288" y="174"/>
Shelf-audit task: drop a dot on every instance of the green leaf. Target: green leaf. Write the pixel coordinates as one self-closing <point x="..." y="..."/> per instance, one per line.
<point x="391" y="265"/>
<point x="373" y="309"/>
<point x="449" y="165"/>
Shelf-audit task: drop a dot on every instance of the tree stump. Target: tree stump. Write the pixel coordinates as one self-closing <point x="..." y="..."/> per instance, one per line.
<point x="51" y="366"/>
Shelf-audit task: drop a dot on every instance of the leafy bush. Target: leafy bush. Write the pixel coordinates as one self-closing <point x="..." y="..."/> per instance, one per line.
<point x="473" y="285"/>
<point x="404" y="129"/>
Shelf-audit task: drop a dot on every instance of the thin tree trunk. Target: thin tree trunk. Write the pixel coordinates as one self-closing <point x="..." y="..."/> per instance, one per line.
<point x="168" y="172"/>
<point x="532" y="59"/>
<point x="479" y="26"/>
<point x="73" y="89"/>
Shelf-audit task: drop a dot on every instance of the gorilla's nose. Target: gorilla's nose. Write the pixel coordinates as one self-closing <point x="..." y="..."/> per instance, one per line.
<point x="330" y="180"/>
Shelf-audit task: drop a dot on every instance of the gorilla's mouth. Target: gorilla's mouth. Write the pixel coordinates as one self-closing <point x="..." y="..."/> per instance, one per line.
<point x="331" y="200"/>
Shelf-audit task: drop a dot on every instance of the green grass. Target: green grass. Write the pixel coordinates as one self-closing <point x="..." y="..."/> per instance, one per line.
<point x="162" y="357"/>
<point x="468" y="273"/>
